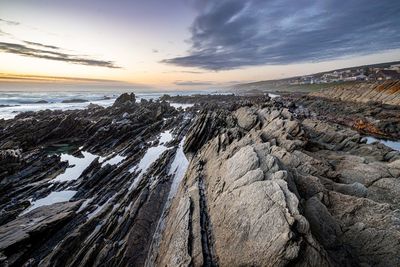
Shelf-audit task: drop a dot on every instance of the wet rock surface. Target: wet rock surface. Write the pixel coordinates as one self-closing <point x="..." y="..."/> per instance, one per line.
<point x="233" y="181"/>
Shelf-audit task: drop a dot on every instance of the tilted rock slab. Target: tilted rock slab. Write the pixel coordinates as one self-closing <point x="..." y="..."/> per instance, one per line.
<point x="235" y="209"/>
<point x="387" y="92"/>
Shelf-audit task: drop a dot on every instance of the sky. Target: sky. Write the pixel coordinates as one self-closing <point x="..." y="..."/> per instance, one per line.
<point x="189" y="44"/>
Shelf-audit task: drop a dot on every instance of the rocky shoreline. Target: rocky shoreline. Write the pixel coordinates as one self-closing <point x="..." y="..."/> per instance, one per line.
<point x="230" y="181"/>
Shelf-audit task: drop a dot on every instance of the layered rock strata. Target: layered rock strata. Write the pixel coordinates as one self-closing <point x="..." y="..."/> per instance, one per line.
<point x="371" y="118"/>
<point x="243" y="182"/>
<point x="387" y="92"/>
<point x="284" y="193"/>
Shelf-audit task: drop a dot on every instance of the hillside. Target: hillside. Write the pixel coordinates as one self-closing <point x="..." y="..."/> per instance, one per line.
<point x="292" y="85"/>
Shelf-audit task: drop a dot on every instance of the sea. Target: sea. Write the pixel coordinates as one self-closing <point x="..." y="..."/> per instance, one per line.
<point x="15" y="102"/>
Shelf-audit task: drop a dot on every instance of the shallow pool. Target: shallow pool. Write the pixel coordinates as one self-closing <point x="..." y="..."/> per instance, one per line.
<point x="52" y="198"/>
<point x="392" y="144"/>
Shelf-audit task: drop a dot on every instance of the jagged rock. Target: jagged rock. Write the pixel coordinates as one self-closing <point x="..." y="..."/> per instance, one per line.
<point x="243" y="195"/>
<point x="10" y="156"/>
<point x="370" y="229"/>
<point x="279" y="125"/>
<point x="309" y="186"/>
<point x="74" y="100"/>
<point x="206" y="126"/>
<point x="266" y="185"/>
<point x="354" y="189"/>
<point x="19" y="236"/>
<point x="246" y="118"/>
<point x="323" y="225"/>
<point x="351" y="105"/>
<point x="94" y="106"/>
<point x="125" y="99"/>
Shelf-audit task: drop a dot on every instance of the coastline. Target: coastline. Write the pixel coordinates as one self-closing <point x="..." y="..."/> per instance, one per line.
<point x="143" y="174"/>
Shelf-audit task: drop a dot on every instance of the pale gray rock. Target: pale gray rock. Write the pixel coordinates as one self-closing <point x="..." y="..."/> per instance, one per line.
<point x="370" y="229"/>
<point x="253" y="216"/>
<point x="246" y="118"/>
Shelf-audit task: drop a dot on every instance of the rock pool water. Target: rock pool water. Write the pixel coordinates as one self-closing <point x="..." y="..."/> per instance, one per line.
<point x="151" y="155"/>
<point x="76" y="166"/>
<point x="392" y="144"/>
<point x="52" y="198"/>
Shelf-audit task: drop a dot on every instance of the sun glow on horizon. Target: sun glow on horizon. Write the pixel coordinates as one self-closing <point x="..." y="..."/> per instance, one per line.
<point x="100" y="43"/>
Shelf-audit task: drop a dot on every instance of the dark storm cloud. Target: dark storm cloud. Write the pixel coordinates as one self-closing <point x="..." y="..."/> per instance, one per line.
<point x="229" y="34"/>
<point x="51" y="53"/>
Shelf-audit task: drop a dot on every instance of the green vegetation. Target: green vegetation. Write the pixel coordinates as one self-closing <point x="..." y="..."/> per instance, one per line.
<point x="268" y="86"/>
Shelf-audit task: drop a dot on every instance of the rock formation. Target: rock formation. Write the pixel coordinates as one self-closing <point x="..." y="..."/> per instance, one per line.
<point x="387" y="92"/>
<point x="246" y="181"/>
<point x="348" y="105"/>
<point x="277" y="196"/>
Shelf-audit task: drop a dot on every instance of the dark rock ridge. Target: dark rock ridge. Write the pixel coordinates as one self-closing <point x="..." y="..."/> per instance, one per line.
<point x="74" y="100"/>
<point x="5" y="106"/>
<point x="108" y="196"/>
<point x="267" y="183"/>
<point x="216" y="100"/>
<point x="125" y="99"/>
<point x="41" y="102"/>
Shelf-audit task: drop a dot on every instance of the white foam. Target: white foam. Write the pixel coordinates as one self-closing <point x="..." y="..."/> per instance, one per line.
<point x="273" y="95"/>
<point x="181" y="105"/>
<point x="11" y="112"/>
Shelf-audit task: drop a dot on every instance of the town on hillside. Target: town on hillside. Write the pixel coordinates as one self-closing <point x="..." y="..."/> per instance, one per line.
<point x="390" y="71"/>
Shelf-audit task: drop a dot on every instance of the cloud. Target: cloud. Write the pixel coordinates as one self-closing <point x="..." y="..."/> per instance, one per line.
<point x="155" y="50"/>
<point x="51" y="53"/>
<point x="9" y="22"/>
<point x="186" y="71"/>
<point x="192" y="72"/>
<point x="6" y="76"/>
<point x="192" y="83"/>
<point x="41" y="45"/>
<point x="57" y="82"/>
<point x="3" y="33"/>
<point x="229" y="34"/>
